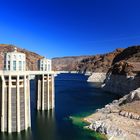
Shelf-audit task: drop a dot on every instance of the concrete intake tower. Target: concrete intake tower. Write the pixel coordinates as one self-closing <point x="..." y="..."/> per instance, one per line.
<point x="15" y="91"/>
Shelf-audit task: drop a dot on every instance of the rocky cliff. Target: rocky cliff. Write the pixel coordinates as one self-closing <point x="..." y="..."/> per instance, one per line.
<point x="95" y="63"/>
<point x="31" y="57"/>
<point x="121" y="84"/>
<point x="98" y="63"/>
<point x="67" y="63"/>
<point x="130" y="54"/>
<point x="127" y="62"/>
<point x="120" y="61"/>
<point x="97" y="78"/>
<point x="120" y="119"/>
<point x="123" y="76"/>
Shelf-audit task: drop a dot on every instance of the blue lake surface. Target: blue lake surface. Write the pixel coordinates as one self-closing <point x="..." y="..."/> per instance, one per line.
<point x="73" y="96"/>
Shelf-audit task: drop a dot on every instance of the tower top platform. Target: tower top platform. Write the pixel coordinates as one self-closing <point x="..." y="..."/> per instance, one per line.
<point x="3" y="72"/>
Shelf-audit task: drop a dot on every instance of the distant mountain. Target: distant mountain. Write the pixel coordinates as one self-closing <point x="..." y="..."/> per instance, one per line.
<point x="69" y="63"/>
<point x="120" y="61"/>
<point x="98" y="63"/>
<point x="95" y="63"/>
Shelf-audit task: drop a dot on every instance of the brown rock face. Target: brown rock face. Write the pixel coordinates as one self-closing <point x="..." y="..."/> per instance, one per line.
<point x="122" y="68"/>
<point x="131" y="54"/>
<point x="66" y="63"/>
<point x="95" y="63"/>
<point x="127" y="62"/>
<point x="98" y="63"/>
<point x="121" y="61"/>
<point x="31" y="58"/>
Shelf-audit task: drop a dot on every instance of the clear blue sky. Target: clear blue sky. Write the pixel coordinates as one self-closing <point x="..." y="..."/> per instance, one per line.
<point x="70" y="27"/>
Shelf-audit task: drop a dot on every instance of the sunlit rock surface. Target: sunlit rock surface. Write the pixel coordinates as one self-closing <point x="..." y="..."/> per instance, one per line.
<point x="120" y="119"/>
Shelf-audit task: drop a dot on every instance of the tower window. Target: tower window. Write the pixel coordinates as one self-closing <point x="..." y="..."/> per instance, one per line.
<point x="14" y="65"/>
<point x="8" y="56"/>
<point x="8" y="65"/>
<point x="48" y="67"/>
<point x="20" y="65"/>
<point x="24" y="65"/>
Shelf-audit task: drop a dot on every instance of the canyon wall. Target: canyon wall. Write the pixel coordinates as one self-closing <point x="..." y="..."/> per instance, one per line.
<point x="121" y="118"/>
<point x="97" y="77"/>
<point x="123" y="74"/>
<point x="69" y="63"/>
<point x="83" y="64"/>
<point x="121" y="84"/>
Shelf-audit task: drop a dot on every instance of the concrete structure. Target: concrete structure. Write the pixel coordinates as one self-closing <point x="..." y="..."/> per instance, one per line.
<point x="15" y="92"/>
<point x="14" y="61"/>
<point x="45" y="86"/>
<point x="45" y="64"/>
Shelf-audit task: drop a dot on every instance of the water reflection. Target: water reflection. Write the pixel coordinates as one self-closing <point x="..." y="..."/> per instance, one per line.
<point x="42" y="128"/>
<point x="24" y="135"/>
<point x="44" y="125"/>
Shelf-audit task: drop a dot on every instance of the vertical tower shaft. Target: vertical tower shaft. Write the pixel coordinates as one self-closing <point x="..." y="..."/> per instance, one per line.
<point x="45" y="92"/>
<point x="15" y="107"/>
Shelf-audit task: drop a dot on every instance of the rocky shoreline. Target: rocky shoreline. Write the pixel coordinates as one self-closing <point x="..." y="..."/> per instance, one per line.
<point x="119" y="120"/>
<point x="97" y="77"/>
<point x="115" y="83"/>
<point x="121" y="84"/>
<point x="116" y="72"/>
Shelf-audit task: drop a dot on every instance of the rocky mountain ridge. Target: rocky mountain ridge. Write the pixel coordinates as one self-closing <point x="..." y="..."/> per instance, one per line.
<point x="69" y="63"/>
<point x="93" y="63"/>
<point x="121" y="61"/>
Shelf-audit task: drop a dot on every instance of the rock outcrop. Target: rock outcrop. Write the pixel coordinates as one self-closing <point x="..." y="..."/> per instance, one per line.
<point x="97" y="77"/>
<point x="122" y="68"/>
<point x="130" y="54"/>
<point x="98" y="63"/>
<point x="127" y="62"/>
<point x="83" y="64"/>
<point x="120" y="119"/>
<point x="123" y="74"/>
<point x="121" y="84"/>
<point x="66" y="63"/>
<point x="121" y="61"/>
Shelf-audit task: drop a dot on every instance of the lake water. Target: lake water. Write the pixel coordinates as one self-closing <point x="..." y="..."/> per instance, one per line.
<point x="73" y="97"/>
